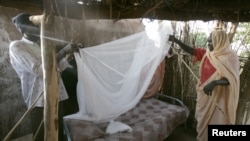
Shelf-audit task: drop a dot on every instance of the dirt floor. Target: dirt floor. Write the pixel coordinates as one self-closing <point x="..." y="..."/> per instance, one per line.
<point x="179" y="134"/>
<point x="182" y="134"/>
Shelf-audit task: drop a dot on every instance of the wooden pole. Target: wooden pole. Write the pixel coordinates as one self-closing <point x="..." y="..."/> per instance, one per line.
<point x="50" y="75"/>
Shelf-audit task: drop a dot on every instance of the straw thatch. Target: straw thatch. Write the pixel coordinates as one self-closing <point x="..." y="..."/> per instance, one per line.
<point x="181" y="10"/>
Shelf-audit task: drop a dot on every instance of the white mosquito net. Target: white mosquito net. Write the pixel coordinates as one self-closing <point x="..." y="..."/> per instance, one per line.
<point x="113" y="77"/>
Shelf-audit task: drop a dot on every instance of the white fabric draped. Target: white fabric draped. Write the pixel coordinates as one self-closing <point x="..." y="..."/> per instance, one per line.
<point x="113" y="77"/>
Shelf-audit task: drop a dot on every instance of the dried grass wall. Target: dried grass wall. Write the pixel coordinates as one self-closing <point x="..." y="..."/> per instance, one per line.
<point x="90" y="33"/>
<point x="12" y="105"/>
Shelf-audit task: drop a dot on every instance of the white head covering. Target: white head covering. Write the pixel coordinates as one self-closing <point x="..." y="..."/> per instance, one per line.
<point x="226" y="63"/>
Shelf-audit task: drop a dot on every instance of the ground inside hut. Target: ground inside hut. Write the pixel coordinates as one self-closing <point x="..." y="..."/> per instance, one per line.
<point x="181" y="133"/>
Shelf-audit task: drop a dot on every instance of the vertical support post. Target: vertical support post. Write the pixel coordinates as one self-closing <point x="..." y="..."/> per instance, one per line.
<point x="50" y="75"/>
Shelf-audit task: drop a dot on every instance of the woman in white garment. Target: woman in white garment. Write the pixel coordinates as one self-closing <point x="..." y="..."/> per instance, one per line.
<point x="218" y="88"/>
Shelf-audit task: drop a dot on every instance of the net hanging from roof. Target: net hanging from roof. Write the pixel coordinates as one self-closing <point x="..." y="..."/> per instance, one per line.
<point x="113" y="77"/>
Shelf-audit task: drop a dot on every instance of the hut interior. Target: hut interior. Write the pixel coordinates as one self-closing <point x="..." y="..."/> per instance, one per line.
<point x="94" y="22"/>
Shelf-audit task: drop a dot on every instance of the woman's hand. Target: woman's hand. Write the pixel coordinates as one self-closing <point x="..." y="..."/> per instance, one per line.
<point x="209" y="88"/>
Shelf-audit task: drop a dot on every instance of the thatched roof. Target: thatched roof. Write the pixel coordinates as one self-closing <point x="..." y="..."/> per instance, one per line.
<point x="179" y="10"/>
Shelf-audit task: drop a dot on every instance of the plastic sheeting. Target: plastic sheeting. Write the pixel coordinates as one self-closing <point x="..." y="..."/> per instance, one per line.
<point x="114" y="76"/>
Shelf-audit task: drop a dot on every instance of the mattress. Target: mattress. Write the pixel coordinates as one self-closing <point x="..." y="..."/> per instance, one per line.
<point x="151" y="120"/>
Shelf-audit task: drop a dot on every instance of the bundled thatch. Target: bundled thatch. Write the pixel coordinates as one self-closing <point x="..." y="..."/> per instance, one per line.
<point x="182" y="10"/>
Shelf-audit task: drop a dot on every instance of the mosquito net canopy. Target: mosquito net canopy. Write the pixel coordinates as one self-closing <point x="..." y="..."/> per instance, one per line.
<point x="113" y="77"/>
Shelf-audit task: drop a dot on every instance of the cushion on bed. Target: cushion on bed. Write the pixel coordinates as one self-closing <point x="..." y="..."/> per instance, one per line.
<point x="151" y="120"/>
<point x="82" y="130"/>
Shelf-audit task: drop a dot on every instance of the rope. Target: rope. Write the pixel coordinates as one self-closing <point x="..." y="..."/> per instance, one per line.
<point x="175" y="52"/>
<point x="190" y="69"/>
<point x="182" y="83"/>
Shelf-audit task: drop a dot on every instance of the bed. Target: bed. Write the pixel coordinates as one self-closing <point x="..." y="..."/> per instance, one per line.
<point x="153" y="119"/>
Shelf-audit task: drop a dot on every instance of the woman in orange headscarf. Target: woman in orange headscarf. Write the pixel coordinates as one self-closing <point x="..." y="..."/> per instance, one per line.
<point x="218" y="88"/>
